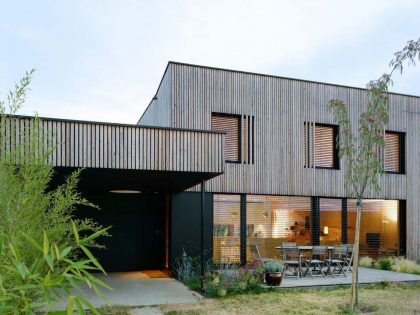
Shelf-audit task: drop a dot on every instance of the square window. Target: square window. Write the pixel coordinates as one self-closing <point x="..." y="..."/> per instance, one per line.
<point x="231" y="125"/>
<point x="320" y="146"/>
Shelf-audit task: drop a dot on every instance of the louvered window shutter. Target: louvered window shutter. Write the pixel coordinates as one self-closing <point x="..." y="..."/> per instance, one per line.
<point x="324" y="146"/>
<point x="392" y="152"/>
<point x="230" y="125"/>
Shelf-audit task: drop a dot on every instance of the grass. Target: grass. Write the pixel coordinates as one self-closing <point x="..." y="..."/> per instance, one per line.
<point x="105" y="310"/>
<point x="379" y="299"/>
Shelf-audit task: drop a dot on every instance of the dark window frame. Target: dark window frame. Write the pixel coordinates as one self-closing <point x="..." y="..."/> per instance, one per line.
<point x="239" y="118"/>
<point x="336" y="158"/>
<point x="401" y="152"/>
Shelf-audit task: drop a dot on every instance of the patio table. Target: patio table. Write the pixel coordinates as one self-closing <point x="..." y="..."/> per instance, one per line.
<point x="307" y="248"/>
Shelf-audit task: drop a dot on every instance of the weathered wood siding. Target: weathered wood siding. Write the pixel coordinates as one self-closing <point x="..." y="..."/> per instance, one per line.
<point x="117" y="146"/>
<point x="280" y="107"/>
<point x="158" y="113"/>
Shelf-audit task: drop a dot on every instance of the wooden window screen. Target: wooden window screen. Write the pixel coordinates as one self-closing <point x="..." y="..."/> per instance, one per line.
<point x="231" y="125"/>
<point x="319" y="146"/>
<point x="248" y="139"/>
<point x="393" y="150"/>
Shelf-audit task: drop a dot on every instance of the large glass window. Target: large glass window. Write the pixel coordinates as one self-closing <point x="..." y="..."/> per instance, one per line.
<point x="330" y="221"/>
<point x="226" y="229"/>
<point x="379" y="226"/>
<point x="273" y="220"/>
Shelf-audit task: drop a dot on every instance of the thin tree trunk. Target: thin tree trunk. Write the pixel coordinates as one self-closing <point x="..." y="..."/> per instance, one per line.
<point x="354" y="302"/>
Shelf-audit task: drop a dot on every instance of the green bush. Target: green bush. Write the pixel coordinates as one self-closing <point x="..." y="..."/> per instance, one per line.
<point x="384" y="263"/>
<point x="274" y="266"/>
<point x="232" y="280"/>
<point x="41" y="253"/>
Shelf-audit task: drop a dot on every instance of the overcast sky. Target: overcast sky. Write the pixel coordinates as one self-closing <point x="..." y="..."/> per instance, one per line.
<point x="103" y="60"/>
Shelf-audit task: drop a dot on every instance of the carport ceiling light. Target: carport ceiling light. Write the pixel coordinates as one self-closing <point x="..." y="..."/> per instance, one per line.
<point x="125" y="191"/>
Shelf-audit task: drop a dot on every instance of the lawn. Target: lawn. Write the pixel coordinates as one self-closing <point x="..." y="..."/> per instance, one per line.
<point x="379" y="299"/>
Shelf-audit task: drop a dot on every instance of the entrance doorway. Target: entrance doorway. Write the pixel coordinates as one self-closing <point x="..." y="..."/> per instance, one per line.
<point x="138" y="236"/>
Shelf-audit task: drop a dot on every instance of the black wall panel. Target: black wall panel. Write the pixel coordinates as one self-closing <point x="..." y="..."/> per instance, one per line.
<point x="186" y="225"/>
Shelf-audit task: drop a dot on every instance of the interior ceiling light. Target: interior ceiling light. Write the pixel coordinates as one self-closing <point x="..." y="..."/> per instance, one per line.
<point x="125" y="191"/>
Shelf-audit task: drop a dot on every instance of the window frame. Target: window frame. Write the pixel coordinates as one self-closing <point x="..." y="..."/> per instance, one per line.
<point x="336" y="158"/>
<point x="401" y="151"/>
<point x="239" y="118"/>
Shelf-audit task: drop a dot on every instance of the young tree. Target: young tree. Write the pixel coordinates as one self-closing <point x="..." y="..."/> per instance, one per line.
<point x="362" y="149"/>
<point x="42" y="252"/>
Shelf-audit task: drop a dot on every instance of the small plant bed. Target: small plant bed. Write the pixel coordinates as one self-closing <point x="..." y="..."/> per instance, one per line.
<point x="219" y="280"/>
<point x="398" y="264"/>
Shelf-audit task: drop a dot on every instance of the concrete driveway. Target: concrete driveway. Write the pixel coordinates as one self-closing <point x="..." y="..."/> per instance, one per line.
<point x="140" y="289"/>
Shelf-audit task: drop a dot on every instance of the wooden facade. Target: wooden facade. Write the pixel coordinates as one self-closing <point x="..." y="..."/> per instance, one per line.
<point x="117" y="146"/>
<point x="279" y="107"/>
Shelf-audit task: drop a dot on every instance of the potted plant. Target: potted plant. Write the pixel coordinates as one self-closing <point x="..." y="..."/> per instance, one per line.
<point x="273" y="272"/>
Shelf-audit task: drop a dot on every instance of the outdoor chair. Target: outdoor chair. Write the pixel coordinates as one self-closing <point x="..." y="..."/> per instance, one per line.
<point x="292" y="260"/>
<point x="317" y="261"/>
<point x="256" y="256"/>
<point x="337" y="259"/>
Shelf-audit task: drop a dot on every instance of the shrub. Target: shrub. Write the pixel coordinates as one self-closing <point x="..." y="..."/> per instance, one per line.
<point x="384" y="263"/>
<point x="41" y="252"/>
<point x="274" y="266"/>
<point x="231" y="280"/>
<point x="401" y="264"/>
<point x="366" y="262"/>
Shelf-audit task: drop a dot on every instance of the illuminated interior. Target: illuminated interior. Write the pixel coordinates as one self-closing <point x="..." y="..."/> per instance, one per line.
<point x="330" y="221"/>
<point x="379" y="226"/>
<point x="273" y="220"/>
<point x="226" y="229"/>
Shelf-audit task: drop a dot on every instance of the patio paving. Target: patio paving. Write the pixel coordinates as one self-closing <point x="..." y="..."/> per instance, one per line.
<point x="140" y="289"/>
<point x="366" y="276"/>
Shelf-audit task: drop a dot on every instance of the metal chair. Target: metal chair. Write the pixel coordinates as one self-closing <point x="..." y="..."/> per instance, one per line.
<point x="337" y="260"/>
<point x="317" y="260"/>
<point x="292" y="259"/>
<point x="256" y="256"/>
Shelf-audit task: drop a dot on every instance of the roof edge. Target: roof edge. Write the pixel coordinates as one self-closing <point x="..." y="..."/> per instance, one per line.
<point x="279" y="77"/>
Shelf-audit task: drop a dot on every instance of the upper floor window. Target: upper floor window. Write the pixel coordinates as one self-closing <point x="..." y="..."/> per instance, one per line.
<point x="320" y="149"/>
<point x="231" y="124"/>
<point x="239" y="140"/>
<point x="394" y="152"/>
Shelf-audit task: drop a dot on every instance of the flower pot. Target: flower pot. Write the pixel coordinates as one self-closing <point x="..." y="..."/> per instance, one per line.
<point x="273" y="278"/>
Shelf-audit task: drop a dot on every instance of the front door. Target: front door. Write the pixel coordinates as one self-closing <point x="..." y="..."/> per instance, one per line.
<point x="137" y="232"/>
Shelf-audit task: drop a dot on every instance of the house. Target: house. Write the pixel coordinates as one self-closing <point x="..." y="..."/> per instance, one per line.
<point x="254" y="154"/>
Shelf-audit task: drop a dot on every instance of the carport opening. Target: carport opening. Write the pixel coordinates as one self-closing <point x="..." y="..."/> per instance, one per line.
<point x="137" y="204"/>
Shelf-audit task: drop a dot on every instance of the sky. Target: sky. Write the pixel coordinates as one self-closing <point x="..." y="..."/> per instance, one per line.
<point x="102" y="60"/>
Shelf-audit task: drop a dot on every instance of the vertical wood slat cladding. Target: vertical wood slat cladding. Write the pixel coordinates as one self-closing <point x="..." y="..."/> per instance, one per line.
<point x="280" y="107"/>
<point x="99" y="145"/>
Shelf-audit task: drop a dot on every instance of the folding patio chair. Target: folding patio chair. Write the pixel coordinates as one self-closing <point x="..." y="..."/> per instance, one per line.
<point x="317" y="261"/>
<point x="292" y="259"/>
<point x="256" y="256"/>
<point x="337" y="259"/>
